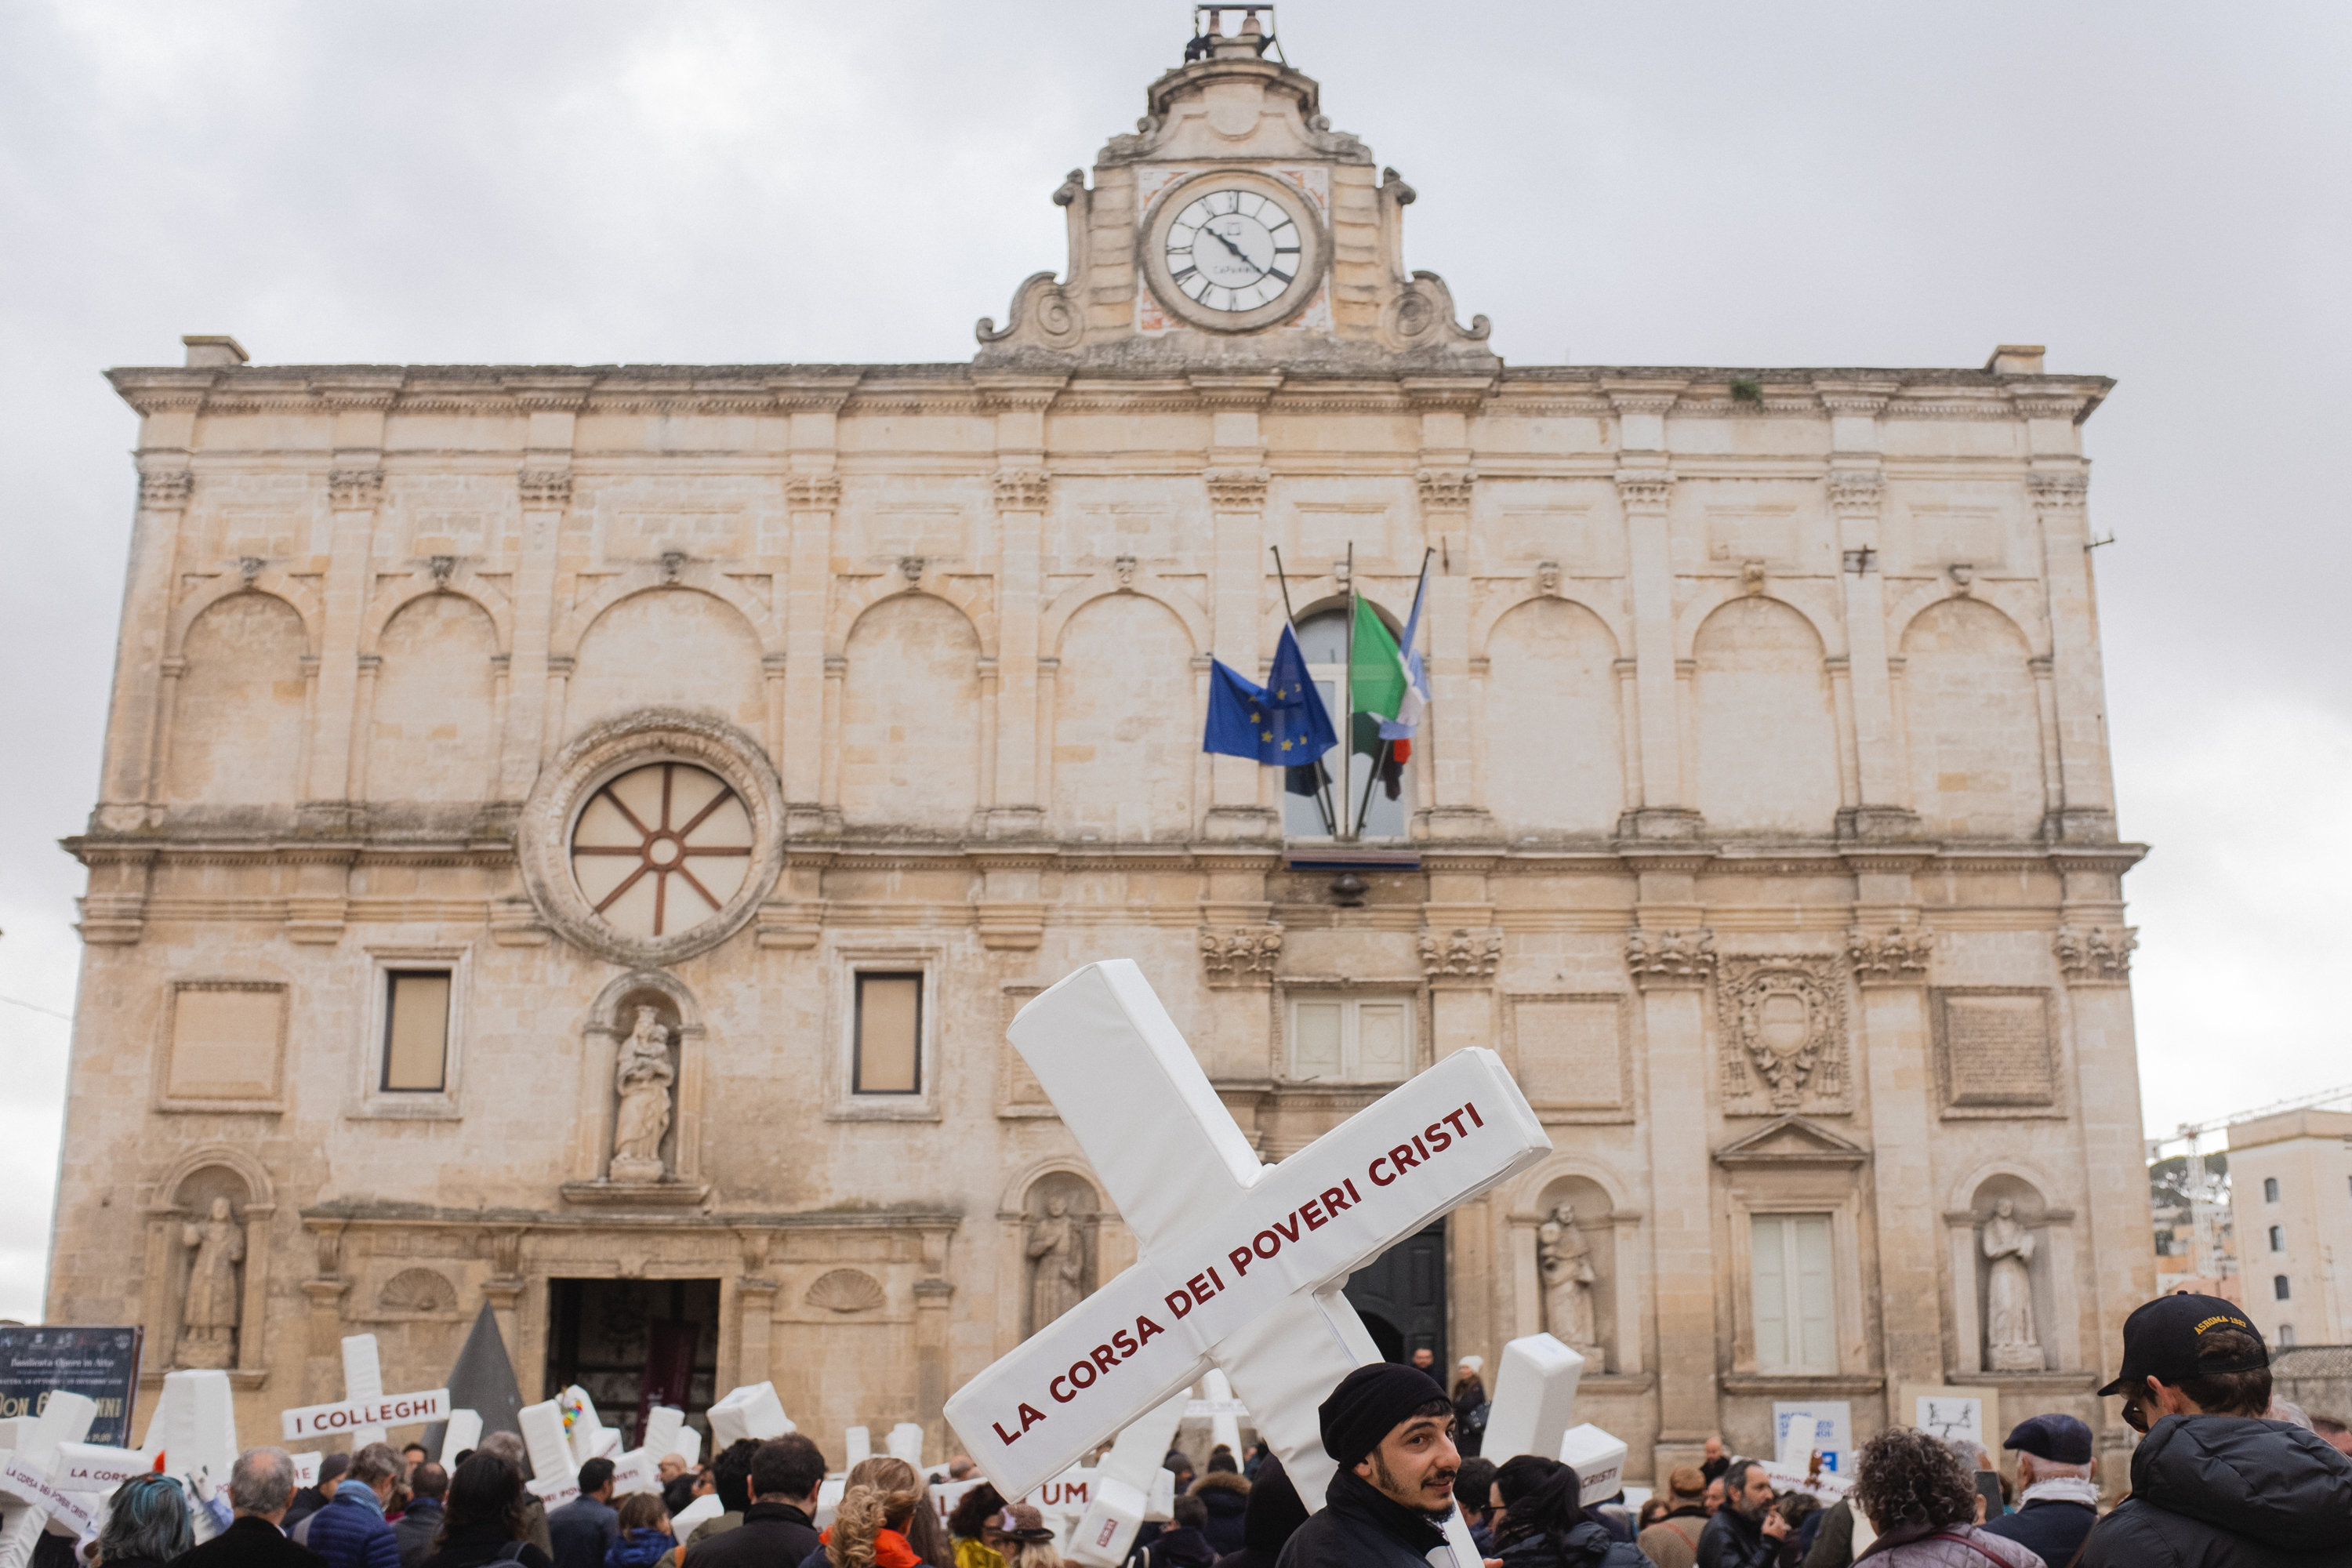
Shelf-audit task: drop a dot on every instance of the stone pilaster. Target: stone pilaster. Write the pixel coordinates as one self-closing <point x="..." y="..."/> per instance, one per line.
<point x="813" y="497"/>
<point x="2084" y="812"/>
<point x="1242" y="804"/>
<point x="1452" y="803"/>
<point x="1645" y="483"/>
<point x="133" y="793"/>
<point x="1875" y="789"/>
<point x="544" y="488"/>
<point x="1889" y="956"/>
<point x="355" y="486"/>
<point x="1672" y="960"/>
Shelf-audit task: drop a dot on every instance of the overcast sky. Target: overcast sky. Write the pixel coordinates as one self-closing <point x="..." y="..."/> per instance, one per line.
<point x="2158" y="192"/>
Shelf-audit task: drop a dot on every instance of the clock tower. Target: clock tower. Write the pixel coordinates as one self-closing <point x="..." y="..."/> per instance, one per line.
<point x="1235" y="226"/>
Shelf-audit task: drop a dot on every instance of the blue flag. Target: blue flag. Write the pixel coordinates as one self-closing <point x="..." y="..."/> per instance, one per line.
<point x="1280" y="724"/>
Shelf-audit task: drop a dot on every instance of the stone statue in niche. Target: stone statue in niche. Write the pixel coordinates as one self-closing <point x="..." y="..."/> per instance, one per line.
<point x="2011" y="1343"/>
<point x="208" y="1315"/>
<point x="1058" y="1258"/>
<point x="1565" y="1259"/>
<point x="644" y="1078"/>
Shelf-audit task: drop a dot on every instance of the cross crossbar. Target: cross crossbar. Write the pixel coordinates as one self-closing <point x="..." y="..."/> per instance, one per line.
<point x="1242" y="1263"/>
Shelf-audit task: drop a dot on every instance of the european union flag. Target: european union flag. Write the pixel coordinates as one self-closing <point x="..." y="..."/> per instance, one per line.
<point x="1280" y="724"/>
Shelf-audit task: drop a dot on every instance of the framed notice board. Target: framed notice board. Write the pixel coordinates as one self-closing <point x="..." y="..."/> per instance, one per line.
<point x="37" y="1358"/>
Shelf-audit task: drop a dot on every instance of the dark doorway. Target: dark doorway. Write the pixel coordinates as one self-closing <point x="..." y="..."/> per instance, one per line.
<point x="633" y="1343"/>
<point x="1400" y="1295"/>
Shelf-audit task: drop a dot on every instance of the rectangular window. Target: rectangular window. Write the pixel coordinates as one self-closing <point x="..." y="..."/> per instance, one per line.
<point x="2279" y="1288"/>
<point x="1795" y="1313"/>
<point x="1351" y="1039"/>
<point x="2286" y="1335"/>
<point x="2270" y="1189"/>
<point x="2278" y="1239"/>
<point x="889" y="1034"/>
<point x="416" y="1031"/>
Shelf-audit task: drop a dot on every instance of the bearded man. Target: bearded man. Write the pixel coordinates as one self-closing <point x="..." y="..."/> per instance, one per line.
<point x="1391" y="1430"/>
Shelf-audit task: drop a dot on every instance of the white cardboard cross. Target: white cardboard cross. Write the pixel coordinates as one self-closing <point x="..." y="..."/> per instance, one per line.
<point x="365" y="1412"/>
<point x="1242" y="1263"/>
<point x="1535" y="1400"/>
<point x="28" y="1475"/>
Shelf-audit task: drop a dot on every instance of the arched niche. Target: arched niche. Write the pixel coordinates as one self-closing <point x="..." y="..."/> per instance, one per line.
<point x="2046" y="1233"/>
<point x="232" y="1248"/>
<point x="240" y="705"/>
<point x="1061" y="1222"/>
<point x="611" y="1019"/>
<point x="1610" y="1231"/>
<point x="1767" y="756"/>
<point x="907" y="752"/>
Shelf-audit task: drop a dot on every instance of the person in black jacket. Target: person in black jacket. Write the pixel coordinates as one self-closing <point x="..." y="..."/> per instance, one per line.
<point x="1273" y="1517"/>
<point x="1391" y="1429"/>
<point x="2213" y="1483"/>
<point x="1544" y="1525"/>
<point x="1746" y="1532"/>
<point x="2057" y="1500"/>
<point x="1225" y="1495"/>
<point x="260" y="1487"/>
<point x="779" y="1527"/>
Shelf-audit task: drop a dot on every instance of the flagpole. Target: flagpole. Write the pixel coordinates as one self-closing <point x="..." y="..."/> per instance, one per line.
<point x="1323" y="801"/>
<point x="1364" y="807"/>
<point x="1348" y="688"/>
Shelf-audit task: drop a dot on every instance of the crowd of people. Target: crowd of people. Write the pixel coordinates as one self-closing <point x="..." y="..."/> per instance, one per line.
<point x="2224" y="1475"/>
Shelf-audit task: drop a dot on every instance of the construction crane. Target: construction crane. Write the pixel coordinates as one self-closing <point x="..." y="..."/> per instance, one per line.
<point x="2204" y="1189"/>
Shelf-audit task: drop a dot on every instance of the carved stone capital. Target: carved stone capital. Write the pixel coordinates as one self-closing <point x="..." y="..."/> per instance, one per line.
<point x="1661" y="959"/>
<point x="354" y="489"/>
<point x="2055" y="491"/>
<point x="1022" y="490"/>
<point x="167" y="491"/>
<point x="1462" y="955"/>
<point x="545" y="487"/>
<point x="1244" y="956"/>
<point x="1445" y="489"/>
<point x="2096" y="957"/>
<point x="1855" y="490"/>
<point x="813" y="492"/>
<point x="1899" y="957"/>
<point x="1645" y="492"/>
<point x="1238" y="490"/>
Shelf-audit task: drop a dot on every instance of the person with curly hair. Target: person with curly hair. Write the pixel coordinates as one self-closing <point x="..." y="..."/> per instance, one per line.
<point x="968" y="1529"/>
<point x="869" y="1530"/>
<point x="1922" y="1501"/>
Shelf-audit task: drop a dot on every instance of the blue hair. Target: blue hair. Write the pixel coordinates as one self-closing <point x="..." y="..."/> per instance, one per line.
<point x="148" y="1516"/>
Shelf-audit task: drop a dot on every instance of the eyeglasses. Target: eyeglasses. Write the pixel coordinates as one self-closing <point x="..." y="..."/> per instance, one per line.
<point x="2134" y="1416"/>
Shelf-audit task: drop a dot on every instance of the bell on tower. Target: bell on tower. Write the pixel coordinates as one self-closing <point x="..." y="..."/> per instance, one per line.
<point x="1235" y="226"/>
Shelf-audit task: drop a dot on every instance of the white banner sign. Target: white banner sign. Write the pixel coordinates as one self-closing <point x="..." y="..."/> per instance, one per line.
<point x="351" y="1415"/>
<point x="35" y="1489"/>
<point x="1447" y="1136"/>
<point x="93" y="1467"/>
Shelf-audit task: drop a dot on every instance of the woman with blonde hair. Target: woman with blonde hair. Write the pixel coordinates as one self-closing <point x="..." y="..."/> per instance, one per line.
<point x="869" y="1528"/>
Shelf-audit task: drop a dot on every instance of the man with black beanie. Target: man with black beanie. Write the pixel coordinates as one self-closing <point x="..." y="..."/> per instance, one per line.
<point x="1391" y="1429"/>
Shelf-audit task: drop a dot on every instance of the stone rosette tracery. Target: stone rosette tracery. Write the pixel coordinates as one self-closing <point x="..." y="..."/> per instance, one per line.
<point x="543" y="834"/>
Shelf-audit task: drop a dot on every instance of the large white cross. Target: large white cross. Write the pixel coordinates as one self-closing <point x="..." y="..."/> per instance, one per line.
<point x="1242" y="1263"/>
<point x="1535" y="1400"/>
<point x="28" y="1474"/>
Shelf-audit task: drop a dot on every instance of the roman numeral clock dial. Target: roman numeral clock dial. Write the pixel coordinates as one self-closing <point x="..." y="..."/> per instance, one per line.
<point x="1233" y="250"/>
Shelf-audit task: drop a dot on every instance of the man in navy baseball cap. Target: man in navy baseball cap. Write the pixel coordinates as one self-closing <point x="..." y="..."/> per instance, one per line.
<point x="2058" y="1501"/>
<point x="2214" y="1482"/>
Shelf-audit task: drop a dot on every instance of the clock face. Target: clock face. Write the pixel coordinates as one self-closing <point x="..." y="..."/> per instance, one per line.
<point x="1233" y="250"/>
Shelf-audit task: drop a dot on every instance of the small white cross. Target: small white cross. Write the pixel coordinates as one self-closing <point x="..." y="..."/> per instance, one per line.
<point x="1242" y="1263"/>
<point x="1535" y="1401"/>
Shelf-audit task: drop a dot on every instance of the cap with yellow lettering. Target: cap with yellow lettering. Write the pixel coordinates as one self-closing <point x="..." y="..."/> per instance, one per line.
<point x="2161" y="1340"/>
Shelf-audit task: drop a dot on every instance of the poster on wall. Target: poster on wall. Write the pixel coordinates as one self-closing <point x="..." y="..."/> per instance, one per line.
<point x="1972" y="1415"/>
<point x="1802" y="1430"/>
<point x="36" y="1359"/>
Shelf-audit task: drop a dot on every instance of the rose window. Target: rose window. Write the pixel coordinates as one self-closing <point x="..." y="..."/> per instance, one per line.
<point x="661" y="848"/>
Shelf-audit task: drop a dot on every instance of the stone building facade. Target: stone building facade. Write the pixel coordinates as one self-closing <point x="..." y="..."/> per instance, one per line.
<point x="571" y="838"/>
